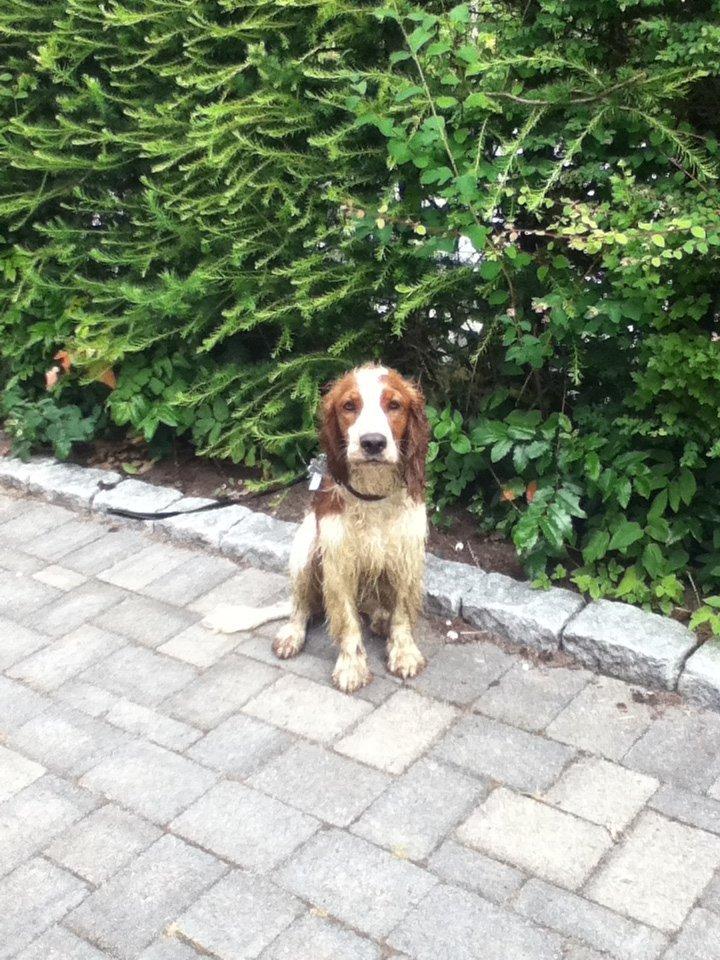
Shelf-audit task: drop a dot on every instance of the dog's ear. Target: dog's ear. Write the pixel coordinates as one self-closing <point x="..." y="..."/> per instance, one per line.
<point x="331" y="438"/>
<point x="416" y="441"/>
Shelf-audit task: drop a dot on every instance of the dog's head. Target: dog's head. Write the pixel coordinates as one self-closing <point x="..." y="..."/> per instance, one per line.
<point x="375" y="417"/>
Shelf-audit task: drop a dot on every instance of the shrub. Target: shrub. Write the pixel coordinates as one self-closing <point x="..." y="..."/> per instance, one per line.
<point x="228" y="203"/>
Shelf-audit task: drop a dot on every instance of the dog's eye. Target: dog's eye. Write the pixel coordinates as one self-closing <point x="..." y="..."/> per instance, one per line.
<point x="349" y="406"/>
<point x="394" y="405"/>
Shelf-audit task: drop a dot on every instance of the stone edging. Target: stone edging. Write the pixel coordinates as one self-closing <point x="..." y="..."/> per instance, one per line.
<point x="609" y="637"/>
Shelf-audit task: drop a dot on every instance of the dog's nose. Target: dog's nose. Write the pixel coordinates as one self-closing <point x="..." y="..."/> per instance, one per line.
<point x="373" y="443"/>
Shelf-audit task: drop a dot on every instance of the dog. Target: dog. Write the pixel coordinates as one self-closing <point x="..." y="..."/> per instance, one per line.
<point x="361" y="548"/>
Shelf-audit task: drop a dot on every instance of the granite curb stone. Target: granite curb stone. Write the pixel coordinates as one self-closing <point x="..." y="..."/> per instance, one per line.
<point x="610" y="637"/>
<point x="630" y="644"/>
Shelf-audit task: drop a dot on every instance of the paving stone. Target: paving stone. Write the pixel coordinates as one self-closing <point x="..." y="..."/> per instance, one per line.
<point x="451" y="924"/>
<point x="167" y="949"/>
<point x="260" y="540"/>
<point x="32" y="898"/>
<point x="321" y="783"/>
<point x="69" y="483"/>
<point x="239" y="746"/>
<point x="602" y="792"/>
<point x="516" y="611"/>
<point x="150" y="780"/>
<point x="460" y="865"/>
<point x="398" y="732"/>
<point x="152" y="725"/>
<point x="531" y="696"/>
<point x="136" y="496"/>
<point x="103" y="842"/>
<point x="18" y="642"/>
<point x="249" y="587"/>
<point x="445" y="584"/>
<point x="459" y="674"/>
<point x="14" y="473"/>
<point x="535" y="837"/>
<point x="656" y="875"/>
<point x="15" y="561"/>
<point x="18" y="704"/>
<point x="136" y="571"/>
<point x="34" y="520"/>
<point x="629" y="643"/>
<point x="419" y="809"/>
<point x="16" y="772"/>
<point x="57" y="943"/>
<point x="245" y="826"/>
<point x="603" y="719"/>
<point x="238" y="917"/>
<point x="200" y="646"/>
<point x="141" y="675"/>
<point x="576" y="917"/>
<point x="77" y="607"/>
<point x="192" y="579"/>
<point x="700" y="678"/>
<point x="353" y="880"/>
<point x="22" y="597"/>
<point x="105" y="552"/>
<point x="220" y="691"/>
<point x="33" y="817"/>
<point x="313" y="938"/>
<point x="59" y="577"/>
<point x="687" y="807"/>
<point x="306" y="708"/>
<point x="699" y="939"/>
<point x="57" y="662"/>
<point x="145" y="620"/>
<point x="66" y="740"/>
<point x="89" y="699"/>
<point x="67" y="538"/>
<point x="680" y="747"/>
<point x="495" y="750"/>
<point x="305" y="665"/>
<point x="134" y="906"/>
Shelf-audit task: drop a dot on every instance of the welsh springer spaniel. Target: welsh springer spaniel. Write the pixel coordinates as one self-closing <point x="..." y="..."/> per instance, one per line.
<point x="361" y="549"/>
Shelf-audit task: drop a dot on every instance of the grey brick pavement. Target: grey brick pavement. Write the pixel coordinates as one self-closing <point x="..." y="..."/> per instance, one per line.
<point x="167" y="794"/>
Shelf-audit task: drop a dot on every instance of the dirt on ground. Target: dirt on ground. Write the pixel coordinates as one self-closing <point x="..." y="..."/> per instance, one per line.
<point x="203" y="477"/>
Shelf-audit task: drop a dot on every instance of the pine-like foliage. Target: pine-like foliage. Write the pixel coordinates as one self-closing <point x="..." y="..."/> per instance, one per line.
<point x="514" y="200"/>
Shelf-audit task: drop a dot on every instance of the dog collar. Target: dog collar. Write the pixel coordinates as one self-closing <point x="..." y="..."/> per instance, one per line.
<point x="371" y="497"/>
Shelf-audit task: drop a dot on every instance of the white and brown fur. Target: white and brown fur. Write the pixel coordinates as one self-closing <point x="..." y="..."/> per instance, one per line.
<point x="353" y="556"/>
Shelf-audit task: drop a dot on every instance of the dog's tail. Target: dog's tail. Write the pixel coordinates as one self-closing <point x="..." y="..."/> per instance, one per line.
<point x="234" y="618"/>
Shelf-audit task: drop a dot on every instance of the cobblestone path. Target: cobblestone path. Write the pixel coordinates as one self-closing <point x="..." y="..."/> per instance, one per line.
<point x="169" y="794"/>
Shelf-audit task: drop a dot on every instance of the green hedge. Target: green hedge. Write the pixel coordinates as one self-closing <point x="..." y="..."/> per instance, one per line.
<point x="227" y="203"/>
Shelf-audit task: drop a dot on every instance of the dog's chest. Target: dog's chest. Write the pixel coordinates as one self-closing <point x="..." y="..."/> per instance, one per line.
<point x="378" y="534"/>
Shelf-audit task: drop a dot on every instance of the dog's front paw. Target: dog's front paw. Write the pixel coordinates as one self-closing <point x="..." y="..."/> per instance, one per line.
<point x="289" y="641"/>
<point x="405" y="661"/>
<point x="351" y="673"/>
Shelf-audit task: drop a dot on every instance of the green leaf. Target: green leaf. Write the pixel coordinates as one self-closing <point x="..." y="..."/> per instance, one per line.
<point x="419" y="37"/>
<point x="596" y="546"/>
<point x="653" y="561"/>
<point x="500" y="450"/>
<point x="489" y="269"/>
<point x="698" y="231"/>
<point x="687" y="486"/>
<point x="627" y="533"/>
<point x="461" y="444"/>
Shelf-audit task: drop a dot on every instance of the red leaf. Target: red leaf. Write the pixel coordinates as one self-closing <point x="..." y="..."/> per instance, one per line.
<point x="531" y="491"/>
